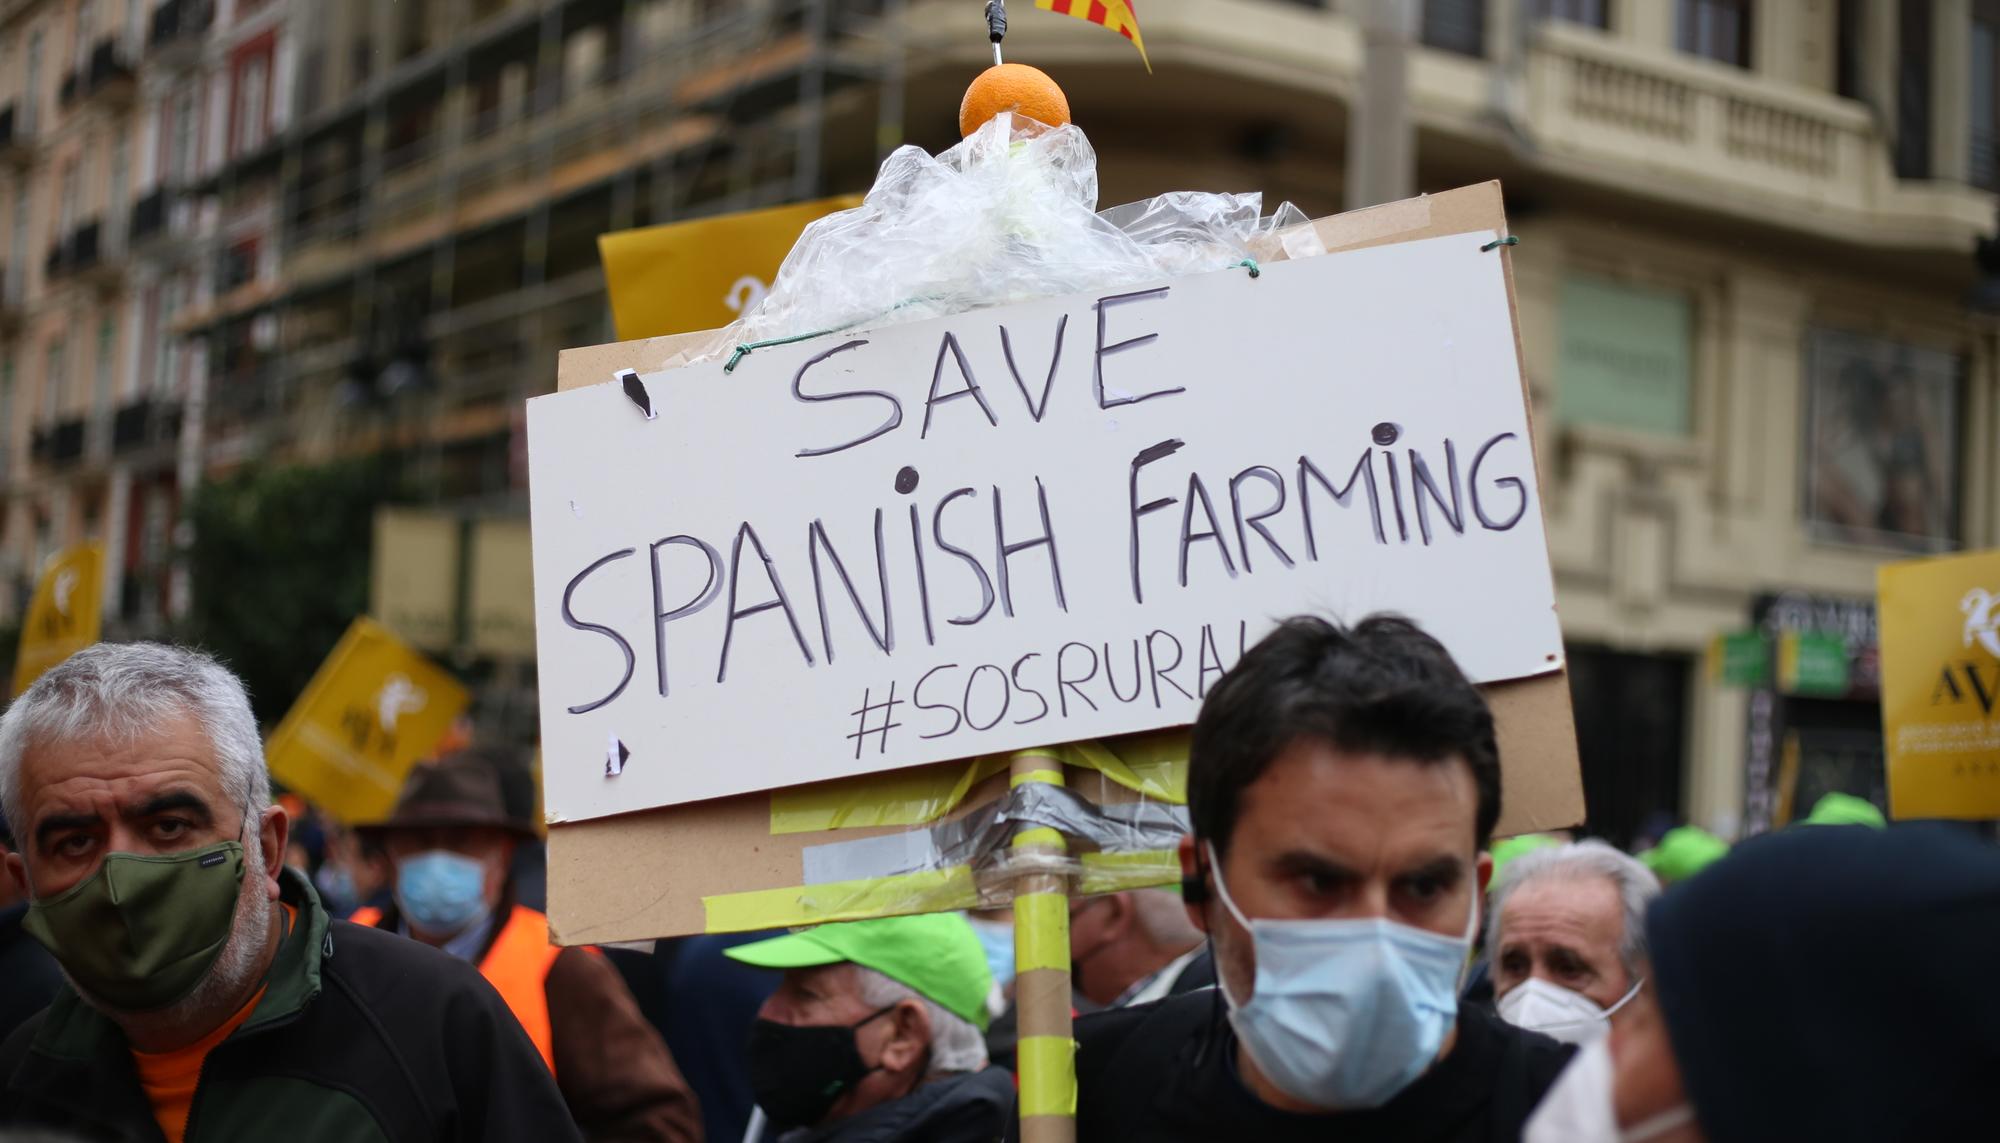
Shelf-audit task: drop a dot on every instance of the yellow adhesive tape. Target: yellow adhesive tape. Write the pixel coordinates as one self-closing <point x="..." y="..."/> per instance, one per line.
<point x="932" y="891"/>
<point x="1047" y="1066"/>
<point x="1154" y="765"/>
<point x="1040" y="836"/>
<point x="1041" y="932"/>
<point x="1052" y="776"/>
<point x="1112" y="872"/>
<point x="907" y="797"/>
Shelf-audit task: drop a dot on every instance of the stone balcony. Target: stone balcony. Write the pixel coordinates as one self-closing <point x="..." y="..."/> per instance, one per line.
<point x="1680" y="128"/>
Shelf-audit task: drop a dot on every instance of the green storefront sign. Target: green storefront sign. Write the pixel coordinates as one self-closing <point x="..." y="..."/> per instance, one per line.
<point x="1741" y="659"/>
<point x="1813" y="664"/>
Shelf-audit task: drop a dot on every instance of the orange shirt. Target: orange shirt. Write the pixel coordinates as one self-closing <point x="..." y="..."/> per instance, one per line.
<point x="170" y="1077"/>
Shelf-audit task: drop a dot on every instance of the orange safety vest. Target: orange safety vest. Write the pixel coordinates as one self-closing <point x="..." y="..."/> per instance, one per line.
<point x="517" y="966"/>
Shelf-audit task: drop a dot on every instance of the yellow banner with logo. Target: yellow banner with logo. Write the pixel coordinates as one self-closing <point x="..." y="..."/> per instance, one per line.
<point x="1941" y="685"/>
<point x="371" y="711"/>
<point x="687" y="276"/>
<point x="64" y="616"/>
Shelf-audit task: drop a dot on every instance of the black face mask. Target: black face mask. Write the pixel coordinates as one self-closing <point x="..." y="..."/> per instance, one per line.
<point x="798" y="1071"/>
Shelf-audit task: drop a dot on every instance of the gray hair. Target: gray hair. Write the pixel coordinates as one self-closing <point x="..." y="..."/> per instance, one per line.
<point x="1577" y="861"/>
<point x="956" y="1045"/>
<point x="120" y="691"/>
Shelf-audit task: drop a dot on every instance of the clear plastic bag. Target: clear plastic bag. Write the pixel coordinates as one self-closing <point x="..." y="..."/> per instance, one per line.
<point x="1008" y="214"/>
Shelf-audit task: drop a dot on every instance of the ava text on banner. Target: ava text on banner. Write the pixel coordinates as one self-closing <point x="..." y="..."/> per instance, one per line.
<point x="1941" y="685"/>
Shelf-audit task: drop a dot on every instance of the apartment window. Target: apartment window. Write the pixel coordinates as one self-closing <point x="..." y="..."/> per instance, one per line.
<point x="52" y="384"/>
<point x="253" y="82"/>
<point x="180" y="153"/>
<point x="17" y="249"/>
<point x="1913" y="89"/>
<point x="107" y="342"/>
<point x="1594" y="13"/>
<point x="121" y="182"/>
<point x="6" y="411"/>
<point x="169" y="353"/>
<point x="32" y="89"/>
<point x="86" y="27"/>
<point x="1455" y="26"/>
<point x="66" y="208"/>
<point x="1850" y="32"/>
<point x="415" y="32"/>
<point x="1715" y="29"/>
<point x="1983" y="151"/>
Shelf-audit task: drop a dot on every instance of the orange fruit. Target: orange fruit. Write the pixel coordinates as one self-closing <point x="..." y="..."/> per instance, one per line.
<point x="1018" y="88"/>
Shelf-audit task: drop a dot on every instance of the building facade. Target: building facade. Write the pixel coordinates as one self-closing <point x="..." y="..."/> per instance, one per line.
<point x="111" y="112"/>
<point x="1748" y="242"/>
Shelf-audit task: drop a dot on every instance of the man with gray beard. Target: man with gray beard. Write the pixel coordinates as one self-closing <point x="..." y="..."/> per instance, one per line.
<point x="209" y="995"/>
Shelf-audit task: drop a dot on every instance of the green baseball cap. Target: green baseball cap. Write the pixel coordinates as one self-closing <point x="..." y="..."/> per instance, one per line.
<point x="1845" y="809"/>
<point x="937" y="954"/>
<point x="1684" y="852"/>
<point x="1521" y="845"/>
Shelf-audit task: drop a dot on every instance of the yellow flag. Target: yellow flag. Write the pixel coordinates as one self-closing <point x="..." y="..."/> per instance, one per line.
<point x="63" y="617"/>
<point x="371" y="711"/>
<point x="1940" y="623"/>
<point x="696" y="275"/>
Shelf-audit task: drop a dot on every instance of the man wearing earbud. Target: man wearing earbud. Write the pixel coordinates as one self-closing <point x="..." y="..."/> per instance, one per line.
<point x="1343" y="786"/>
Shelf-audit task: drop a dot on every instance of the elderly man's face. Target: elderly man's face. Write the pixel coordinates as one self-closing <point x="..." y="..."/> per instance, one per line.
<point x="896" y="1045"/>
<point x="1566" y="931"/>
<point x="160" y="793"/>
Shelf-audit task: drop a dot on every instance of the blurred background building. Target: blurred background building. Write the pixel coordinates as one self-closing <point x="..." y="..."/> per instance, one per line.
<point x="253" y="232"/>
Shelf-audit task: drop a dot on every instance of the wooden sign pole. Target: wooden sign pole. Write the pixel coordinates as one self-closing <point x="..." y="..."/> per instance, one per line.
<point x="1046" y="1055"/>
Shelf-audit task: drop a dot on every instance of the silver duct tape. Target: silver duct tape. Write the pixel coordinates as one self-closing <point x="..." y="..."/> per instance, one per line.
<point x="982" y="838"/>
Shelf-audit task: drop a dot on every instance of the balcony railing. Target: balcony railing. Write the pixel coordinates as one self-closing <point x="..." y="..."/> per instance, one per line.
<point x="107" y="71"/>
<point x="61" y="444"/>
<point x="144" y="423"/>
<point x="82" y="251"/>
<point x="110" y="69"/>
<point x="149" y="216"/>
<point x="178" y="23"/>
<point x="17" y="132"/>
<point x="1667" y="118"/>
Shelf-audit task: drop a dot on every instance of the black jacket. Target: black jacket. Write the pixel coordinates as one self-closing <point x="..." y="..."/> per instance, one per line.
<point x="28" y="974"/>
<point x="970" y="1108"/>
<point x="1167" y="1071"/>
<point x="360" y="1035"/>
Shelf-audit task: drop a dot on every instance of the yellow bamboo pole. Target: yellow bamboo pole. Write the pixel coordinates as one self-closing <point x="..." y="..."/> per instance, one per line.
<point x="1047" y="1049"/>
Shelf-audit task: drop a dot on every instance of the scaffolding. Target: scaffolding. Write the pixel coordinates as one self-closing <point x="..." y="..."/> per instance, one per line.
<point x="437" y="218"/>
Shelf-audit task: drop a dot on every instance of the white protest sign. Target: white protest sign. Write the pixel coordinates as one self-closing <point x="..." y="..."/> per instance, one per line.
<point x="1023" y="525"/>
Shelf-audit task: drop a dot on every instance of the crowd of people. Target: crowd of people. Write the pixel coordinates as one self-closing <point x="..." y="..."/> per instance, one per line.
<point x="1349" y="955"/>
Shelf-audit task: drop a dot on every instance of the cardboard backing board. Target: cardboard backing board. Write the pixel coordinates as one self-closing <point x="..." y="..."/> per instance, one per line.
<point x="644" y="875"/>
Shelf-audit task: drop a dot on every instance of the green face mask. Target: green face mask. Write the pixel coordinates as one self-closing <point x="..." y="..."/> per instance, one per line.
<point x="142" y="931"/>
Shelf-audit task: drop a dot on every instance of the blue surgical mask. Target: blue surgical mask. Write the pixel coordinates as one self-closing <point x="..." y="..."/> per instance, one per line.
<point x="337" y="889"/>
<point x="1345" y="1013"/>
<point x="441" y="892"/>
<point x="996" y="938"/>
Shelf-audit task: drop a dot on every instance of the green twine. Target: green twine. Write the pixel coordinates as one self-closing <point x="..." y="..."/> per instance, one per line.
<point x="1510" y="240"/>
<point x="1250" y="264"/>
<point x="743" y="350"/>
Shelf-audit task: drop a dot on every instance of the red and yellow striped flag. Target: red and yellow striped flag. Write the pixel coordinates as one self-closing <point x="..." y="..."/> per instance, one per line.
<point x="1116" y="15"/>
